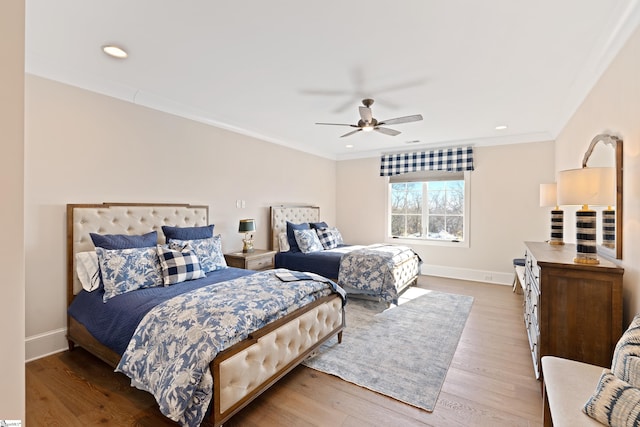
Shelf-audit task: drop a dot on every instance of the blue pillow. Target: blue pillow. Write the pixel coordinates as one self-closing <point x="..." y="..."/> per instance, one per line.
<point x="187" y="233"/>
<point x="124" y="241"/>
<point x="293" y="244"/>
<point x="316" y="225"/>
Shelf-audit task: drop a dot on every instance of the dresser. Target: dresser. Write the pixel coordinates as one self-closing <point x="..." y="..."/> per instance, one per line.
<point x="571" y="310"/>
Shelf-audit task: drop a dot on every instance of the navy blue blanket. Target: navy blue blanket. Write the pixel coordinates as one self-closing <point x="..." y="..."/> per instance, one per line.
<point x="114" y="322"/>
<point x="324" y="263"/>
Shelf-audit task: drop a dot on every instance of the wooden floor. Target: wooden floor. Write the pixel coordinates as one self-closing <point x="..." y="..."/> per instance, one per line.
<point x="490" y="383"/>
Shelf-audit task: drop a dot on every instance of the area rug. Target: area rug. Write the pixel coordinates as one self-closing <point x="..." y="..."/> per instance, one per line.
<point x="403" y="352"/>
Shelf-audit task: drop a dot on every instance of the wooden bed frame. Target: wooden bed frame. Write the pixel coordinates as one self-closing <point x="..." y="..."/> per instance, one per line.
<point x="245" y="370"/>
<point x="306" y="213"/>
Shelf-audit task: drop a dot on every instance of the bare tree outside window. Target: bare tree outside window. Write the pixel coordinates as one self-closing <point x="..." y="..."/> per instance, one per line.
<point x="428" y="210"/>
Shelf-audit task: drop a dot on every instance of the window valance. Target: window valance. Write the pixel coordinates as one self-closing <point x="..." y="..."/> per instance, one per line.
<point x="456" y="159"/>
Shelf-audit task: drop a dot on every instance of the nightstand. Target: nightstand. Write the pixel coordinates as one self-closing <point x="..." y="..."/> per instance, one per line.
<point x="259" y="259"/>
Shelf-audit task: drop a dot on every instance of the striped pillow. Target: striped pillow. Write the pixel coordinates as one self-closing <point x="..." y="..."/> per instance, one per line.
<point x="615" y="402"/>
<point x="626" y="357"/>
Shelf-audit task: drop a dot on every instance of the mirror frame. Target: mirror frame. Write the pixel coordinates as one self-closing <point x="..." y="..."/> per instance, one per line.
<point x="618" y="146"/>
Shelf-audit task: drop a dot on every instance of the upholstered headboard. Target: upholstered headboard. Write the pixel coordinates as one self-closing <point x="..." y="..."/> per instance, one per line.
<point x="121" y="218"/>
<point x="296" y="214"/>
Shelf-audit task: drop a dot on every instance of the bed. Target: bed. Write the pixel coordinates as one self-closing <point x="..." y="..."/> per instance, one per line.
<point x="378" y="271"/>
<point x="241" y="366"/>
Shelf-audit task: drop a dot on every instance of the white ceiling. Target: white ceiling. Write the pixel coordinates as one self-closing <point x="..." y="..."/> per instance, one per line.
<point x="271" y="69"/>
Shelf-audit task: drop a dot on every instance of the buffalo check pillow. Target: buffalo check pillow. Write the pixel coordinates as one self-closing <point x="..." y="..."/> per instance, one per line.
<point x="179" y="263"/>
<point x="327" y="237"/>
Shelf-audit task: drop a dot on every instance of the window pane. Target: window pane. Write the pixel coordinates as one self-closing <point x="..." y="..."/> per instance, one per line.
<point x="436" y="202"/>
<point x="455" y="227"/>
<point x="436" y="226"/>
<point x="397" y="225"/>
<point x="455" y="202"/>
<point x="414" y="226"/>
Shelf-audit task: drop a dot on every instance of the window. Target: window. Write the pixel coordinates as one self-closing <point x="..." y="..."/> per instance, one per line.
<point x="429" y="206"/>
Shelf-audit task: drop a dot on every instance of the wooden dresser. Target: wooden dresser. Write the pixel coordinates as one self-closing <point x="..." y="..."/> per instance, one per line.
<point x="571" y="310"/>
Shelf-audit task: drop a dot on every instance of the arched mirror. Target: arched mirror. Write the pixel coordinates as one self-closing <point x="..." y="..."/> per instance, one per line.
<point x="606" y="151"/>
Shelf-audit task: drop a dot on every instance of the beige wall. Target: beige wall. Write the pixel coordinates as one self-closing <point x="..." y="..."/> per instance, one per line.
<point x="82" y="147"/>
<point x="504" y="209"/>
<point x="613" y="105"/>
<point x="12" y="401"/>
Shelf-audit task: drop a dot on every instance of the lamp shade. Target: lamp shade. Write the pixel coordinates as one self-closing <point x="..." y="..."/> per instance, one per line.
<point x="247" y="226"/>
<point x="587" y="186"/>
<point x="548" y="195"/>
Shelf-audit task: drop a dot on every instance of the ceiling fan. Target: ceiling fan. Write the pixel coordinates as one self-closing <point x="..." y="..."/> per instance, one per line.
<point x="367" y="123"/>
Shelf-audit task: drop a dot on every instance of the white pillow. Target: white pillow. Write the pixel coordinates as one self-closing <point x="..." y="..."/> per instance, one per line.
<point x="88" y="270"/>
<point x="283" y="242"/>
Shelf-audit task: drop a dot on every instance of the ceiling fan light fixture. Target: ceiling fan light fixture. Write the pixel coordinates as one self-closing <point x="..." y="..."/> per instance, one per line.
<point x="115" y="51"/>
<point x="367" y="128"/>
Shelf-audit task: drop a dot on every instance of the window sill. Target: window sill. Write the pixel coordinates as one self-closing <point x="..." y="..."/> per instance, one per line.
<point x="426" y="242"/>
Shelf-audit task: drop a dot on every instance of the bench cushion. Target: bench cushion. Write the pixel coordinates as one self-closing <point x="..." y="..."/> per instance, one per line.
<point x="569" y="385"/>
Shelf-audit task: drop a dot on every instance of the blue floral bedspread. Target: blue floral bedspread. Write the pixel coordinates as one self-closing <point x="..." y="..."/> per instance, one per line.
<point x="378" y="270"/>
<point x="170" y="351"/>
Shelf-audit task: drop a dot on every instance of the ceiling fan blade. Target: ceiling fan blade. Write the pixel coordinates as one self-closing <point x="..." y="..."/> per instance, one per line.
<point x="405" y="119"/>
<point x="337" y="124"/>
<point x="387" y="131"/>
<point x="365" y="114"/>
<point x="350" y="133"/>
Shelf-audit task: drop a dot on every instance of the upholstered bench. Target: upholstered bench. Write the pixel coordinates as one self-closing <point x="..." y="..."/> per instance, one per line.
<point x="579" y="394"/>
<point x="567" y="387"/>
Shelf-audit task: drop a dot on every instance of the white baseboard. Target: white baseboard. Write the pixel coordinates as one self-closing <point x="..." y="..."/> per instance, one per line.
<point x="41" y="345"/>
<point x="495" y="277"/>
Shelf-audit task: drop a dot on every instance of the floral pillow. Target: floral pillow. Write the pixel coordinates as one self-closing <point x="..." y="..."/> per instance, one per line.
<point x="125" y="270"/>
<point x="208" y="251"/>
<point x="307" y="241"/>
<point x="179" y="264"/>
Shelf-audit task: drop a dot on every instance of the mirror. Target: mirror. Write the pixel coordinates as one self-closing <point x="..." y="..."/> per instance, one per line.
<point x="606" y="151"/>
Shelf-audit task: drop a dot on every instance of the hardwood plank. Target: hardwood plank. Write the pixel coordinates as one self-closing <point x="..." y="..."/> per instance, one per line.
<point x="490" y="382"/>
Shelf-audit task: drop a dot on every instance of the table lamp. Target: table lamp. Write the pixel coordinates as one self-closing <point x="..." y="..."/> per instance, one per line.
<point x="548" y="198"/>
<point x="248" y="227"/>
<point x="584" y="187"/>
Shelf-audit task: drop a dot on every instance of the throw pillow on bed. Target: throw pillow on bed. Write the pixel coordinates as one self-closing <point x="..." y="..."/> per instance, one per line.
<point x="187" y="233"/>
<point x="307" y="241"/>
<point x="125" y="270"/>
<point x="291" y="227"/>
<point x="208" y="251"/>
<point x="327" y="238"/>
<point x="124" y="241"/>
<point x="88" y="270"/>
<point x="179" y="264"/>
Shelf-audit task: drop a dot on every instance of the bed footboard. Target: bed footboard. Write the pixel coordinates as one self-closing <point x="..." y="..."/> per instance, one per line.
<point x="247" y="369"/>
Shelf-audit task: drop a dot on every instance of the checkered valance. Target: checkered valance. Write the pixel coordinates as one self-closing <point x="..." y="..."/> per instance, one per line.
<point x="445" y="159"/>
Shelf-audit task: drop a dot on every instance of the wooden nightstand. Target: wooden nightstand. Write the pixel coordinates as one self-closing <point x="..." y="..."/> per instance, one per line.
<point x="259" y="259"/>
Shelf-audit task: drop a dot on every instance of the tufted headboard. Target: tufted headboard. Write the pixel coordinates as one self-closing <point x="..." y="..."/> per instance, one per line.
<point x="121" y="218"/>
<point x="296" y="214"/>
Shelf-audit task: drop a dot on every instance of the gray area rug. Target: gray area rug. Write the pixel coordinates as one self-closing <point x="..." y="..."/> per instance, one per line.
<point x="403" y="352"/>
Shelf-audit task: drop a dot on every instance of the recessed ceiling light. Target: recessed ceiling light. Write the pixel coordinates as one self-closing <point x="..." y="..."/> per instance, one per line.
<point x="501" y="127"/>
<point x="348" y="146"/>
<point x="115" y="51"/>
